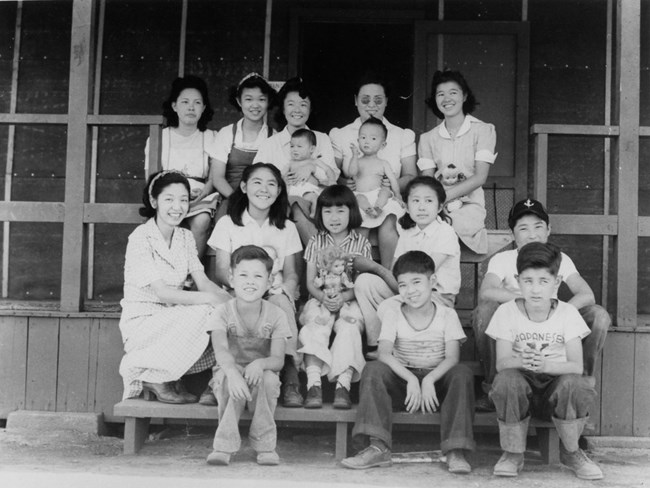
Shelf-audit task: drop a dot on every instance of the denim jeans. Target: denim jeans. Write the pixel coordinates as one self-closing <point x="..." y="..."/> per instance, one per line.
<point x="382" y="391"/>
<point x="263" y="433"/>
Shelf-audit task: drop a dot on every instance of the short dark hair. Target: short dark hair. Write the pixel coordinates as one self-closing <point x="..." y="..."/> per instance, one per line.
<point x="298" y="85"/>
<point x="376" y="122"/>
<point x="252" y="80"/>
<point x="156" y="183"/>
<point x="414" y="262"/>
<point x="537" y="255"/>
<point x="251" y="253"/>
<point x="445" y="76"/>
<point x="338" y="196"/>
<point x="307" y="134"/>
<point x="405" y="220"/>
<point x="370" y="78"/>
<point x="180" y="84"/>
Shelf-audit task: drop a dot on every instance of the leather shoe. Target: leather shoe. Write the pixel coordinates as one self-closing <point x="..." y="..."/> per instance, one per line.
<point x="163" y="392"/>
<point x="292" y="397"/>
<point x="314" y="397"/>
<point x="342" y="399"/>
<point x="208" y="398"/>
<point x="182" y="391"/>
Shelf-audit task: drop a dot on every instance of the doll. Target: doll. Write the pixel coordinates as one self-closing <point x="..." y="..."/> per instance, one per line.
<point x="449" y="176"/>
<point x="276" y="273"/>
<point x="332" y="279"/>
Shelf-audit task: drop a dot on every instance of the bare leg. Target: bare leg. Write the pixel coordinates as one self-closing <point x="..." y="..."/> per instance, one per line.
<point x="306" y="227"/>
<point x="200" y="225"/>
<point x="311" y="197"/>
<point x="382" y="199"/>
<point x="364" y="205"/>
<point x="387" y="236"/>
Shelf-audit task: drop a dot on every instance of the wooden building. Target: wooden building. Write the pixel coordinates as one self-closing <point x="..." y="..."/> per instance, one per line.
<point x="566" y="82"/>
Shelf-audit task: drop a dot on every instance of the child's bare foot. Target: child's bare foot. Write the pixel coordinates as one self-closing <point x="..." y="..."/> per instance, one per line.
<point x="371" y="212"/>
<point x="378" y="211"/>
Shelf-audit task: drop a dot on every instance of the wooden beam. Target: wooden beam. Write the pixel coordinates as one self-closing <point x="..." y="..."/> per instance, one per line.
<point x="112" y="213"/>
<point x="540" y="183"/>
<point x="591" y="225"/>
<point x="522" y="111"/>
<point x="626" y="153"/>
<point x="575" y="130"/>
<point x="124" y="119"/>
<point x="644" y="226"/>
<point x="32" y="211"/>
<point x="77" y="161"/>
<point x="18" y="119"/>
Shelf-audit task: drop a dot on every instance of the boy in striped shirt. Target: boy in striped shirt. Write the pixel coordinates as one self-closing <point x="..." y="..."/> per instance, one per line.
<point x="418" y="367"/>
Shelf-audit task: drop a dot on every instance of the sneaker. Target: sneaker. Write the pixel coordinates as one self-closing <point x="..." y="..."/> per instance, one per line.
<point x="370" y="457"/>
<point x="292" y="397"/>
<point x="580" y="464"/>
<point x="208" y="398"/>
<point x="484" y="404"/>
<point x="456" y="462"/>
<point x="269" y="458"/>
<point x="218" y="458"/>
<point x="342" y="399"/>
<point x="509" y="464"/>
<point x="314" y="397"/>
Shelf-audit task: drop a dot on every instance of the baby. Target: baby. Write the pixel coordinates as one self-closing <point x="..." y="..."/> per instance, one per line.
<point x="302" y="147"/>
<point x="369" y="170"/>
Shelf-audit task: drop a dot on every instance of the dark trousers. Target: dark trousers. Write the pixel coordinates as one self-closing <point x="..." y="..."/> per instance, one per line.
<point x="381" y="392"/>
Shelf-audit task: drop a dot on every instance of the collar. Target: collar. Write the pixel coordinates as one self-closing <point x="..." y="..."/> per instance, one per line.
<point x="155" y="237"/>
<point x="240" y="129"/>
<point x="428" y="231"/>
<point x="247" y="219"/>
<point x="352" y="235"/>
<point x="465" y="127"/>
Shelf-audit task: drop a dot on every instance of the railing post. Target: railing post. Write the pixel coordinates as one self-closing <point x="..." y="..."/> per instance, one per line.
<point x="540" y="181"/>
<point x="155" y="150"/>
<point x="76" y="169"/>
<point x="626" y="153"/>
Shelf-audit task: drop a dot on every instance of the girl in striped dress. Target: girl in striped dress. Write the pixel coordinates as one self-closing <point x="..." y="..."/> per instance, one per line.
<point x="338" y="219"/>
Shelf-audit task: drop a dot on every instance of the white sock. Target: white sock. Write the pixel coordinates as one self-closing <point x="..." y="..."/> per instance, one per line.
<point x="313" y="376"/>
<point x="344" y="379"/>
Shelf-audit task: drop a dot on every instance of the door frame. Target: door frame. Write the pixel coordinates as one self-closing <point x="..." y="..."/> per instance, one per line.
<point x="518" y="182"/>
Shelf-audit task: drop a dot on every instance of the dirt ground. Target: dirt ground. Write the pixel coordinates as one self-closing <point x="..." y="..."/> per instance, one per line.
<point x="307" y="457"/>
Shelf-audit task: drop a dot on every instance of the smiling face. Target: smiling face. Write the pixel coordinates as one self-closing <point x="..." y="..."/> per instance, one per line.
<point x="415" y="288"/>
<point x="250" y="279"/>
<point x="338" y="267"/>
<point x="262" y="189"/>
<point x="189" y="106"/>
<point x="371" y="100"/>
<point x="423" y="205"/>
<point x="296" y="110"/>
<point x="336" y="219"/>
<point x="371" y="139"/>
<point x="530" y="228"/>
<point x="254" y="104"/>
<point x="450" y="98"/>
<point x="538" y="286"/>
<point x="171" y="205"/>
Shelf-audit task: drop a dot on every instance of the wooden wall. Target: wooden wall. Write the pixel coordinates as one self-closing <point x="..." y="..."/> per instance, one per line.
<point x="60" y="364"/>
<point x="70" y="364"/>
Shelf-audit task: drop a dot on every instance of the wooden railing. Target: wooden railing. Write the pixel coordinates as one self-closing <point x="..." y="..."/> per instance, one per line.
<point x="604" y="224"/>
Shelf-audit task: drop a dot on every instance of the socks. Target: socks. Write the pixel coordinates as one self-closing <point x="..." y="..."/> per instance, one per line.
<point x="313" y="376"/>
<point x="344" y="379"/>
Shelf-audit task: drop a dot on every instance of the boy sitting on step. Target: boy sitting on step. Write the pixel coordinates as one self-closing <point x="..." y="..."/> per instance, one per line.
<point x="248" y="337"/>
<point x="418" y="367"/>
<point x="539" y="364"/>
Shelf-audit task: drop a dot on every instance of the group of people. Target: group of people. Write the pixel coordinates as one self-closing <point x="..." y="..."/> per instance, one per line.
<point x="258" y="197"/>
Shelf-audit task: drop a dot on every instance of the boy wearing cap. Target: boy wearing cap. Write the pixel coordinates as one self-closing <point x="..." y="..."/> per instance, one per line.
<point x="529" y="222"/>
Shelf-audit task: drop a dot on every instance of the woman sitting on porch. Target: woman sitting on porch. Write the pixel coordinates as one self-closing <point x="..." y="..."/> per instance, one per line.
<point x="295" y="100"/>
<point x="237" y="144"/>
<point x="163" y="326"/>
<point x="186" y="146"/>
<point x="459" y="150"/>
<point x="371" y="99"/>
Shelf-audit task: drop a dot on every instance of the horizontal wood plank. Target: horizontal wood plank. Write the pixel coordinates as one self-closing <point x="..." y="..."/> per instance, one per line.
<point x="575" y="130"/>
<point x="584" y="224"/>
<point x="112" y="213"/>
<point x="125" y="119"/>
<point x="32" y="211"/>
<point x="17" y="119"/>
